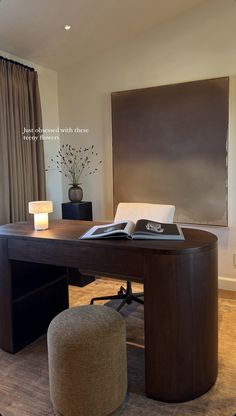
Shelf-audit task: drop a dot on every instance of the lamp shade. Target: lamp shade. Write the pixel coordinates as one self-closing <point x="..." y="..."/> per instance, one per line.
<point x="40" y="207"/>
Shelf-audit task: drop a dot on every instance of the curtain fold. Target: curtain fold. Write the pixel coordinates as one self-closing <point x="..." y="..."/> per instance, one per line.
<point x="22" y="170"/>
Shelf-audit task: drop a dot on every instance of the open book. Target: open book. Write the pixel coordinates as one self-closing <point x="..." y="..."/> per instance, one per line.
<point x="143" y="229"/>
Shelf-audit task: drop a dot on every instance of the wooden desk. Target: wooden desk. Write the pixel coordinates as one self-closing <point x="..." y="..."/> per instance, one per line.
<point x="180" y="285"/>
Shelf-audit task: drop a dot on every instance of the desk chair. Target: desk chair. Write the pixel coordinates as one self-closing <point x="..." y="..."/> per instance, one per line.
<point x="135" y="211"/>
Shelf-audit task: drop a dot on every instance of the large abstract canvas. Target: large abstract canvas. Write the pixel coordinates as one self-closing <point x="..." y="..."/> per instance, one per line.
<point x="170" y="147"/>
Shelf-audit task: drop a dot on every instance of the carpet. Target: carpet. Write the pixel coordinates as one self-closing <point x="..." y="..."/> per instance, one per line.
<point x="24" y="387"/>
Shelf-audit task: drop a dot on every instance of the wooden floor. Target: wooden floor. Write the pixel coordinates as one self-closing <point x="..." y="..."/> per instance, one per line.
<point x="227" y="294"/>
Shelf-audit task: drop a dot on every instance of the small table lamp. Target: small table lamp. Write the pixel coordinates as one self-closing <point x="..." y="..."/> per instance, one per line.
<point x="40" y="209"/>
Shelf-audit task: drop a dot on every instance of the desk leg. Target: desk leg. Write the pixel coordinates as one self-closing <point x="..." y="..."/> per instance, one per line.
<point x="181" y="325"/>
<point x="30" y="296"/>
<point x="6" y="335"/>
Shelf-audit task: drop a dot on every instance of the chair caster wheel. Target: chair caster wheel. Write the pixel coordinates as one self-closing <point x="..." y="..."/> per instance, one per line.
<point x="122" y="291"/>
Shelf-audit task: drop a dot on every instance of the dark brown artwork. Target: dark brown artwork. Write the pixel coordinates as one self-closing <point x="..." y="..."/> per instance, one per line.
<point x="170" y="147"/>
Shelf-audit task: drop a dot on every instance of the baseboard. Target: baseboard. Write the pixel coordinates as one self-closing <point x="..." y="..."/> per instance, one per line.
<point x="226" y="283"/>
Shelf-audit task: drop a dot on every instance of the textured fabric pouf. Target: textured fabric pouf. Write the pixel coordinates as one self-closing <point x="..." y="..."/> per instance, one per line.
<point x="87" y="361"/>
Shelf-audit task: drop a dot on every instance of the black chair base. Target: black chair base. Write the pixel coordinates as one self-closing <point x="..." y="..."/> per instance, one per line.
<point x="124" y="293"/>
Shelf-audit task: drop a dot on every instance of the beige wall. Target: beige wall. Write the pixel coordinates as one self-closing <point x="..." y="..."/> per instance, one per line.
<point x="49" y="100"/>
<point x="193" y="47"/>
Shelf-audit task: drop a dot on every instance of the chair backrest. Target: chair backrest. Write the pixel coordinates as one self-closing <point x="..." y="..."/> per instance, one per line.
<point x="136" y="210"/>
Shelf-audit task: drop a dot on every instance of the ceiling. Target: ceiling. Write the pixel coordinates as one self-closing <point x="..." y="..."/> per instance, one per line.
<point x="34" y="29"/>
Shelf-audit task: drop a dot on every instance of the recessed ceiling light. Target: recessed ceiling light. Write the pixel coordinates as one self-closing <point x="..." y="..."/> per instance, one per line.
<point x="67" y="27"/>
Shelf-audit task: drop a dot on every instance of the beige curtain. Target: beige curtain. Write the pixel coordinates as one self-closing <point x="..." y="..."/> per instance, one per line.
<point x="22" y="174"/>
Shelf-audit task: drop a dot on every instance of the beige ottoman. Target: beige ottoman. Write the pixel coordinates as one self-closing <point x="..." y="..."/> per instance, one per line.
<point x="87" y="361"/>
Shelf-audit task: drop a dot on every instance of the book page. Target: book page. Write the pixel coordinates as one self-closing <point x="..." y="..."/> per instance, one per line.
<point x="148" y="229"/>
<point x="117" y="229"/>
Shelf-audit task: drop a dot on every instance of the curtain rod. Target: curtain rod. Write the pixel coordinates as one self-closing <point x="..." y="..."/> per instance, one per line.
<point x="16" y="63"/>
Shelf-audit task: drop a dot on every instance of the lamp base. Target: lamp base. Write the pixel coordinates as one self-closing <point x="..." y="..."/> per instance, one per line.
<point x="41" y="222"/>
